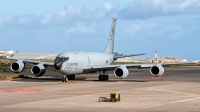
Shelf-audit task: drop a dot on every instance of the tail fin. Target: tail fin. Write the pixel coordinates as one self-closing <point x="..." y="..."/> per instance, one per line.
<point x="111" y="38"/>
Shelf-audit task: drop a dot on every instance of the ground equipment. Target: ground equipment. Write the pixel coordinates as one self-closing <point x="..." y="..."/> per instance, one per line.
<point x="114" y="97"/>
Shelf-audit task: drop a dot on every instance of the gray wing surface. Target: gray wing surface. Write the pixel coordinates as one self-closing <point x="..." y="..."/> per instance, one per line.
<point x="112" y="67"/>
<point x="33" y="62"/>
<point x="122" y="56"/>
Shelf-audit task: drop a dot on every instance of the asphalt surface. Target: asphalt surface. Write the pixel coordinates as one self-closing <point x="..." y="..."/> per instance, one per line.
<point x="177" y="90"/>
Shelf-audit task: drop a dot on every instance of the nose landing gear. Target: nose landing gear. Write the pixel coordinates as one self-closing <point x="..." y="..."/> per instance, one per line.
<point x="65" y="78"/>
<point x="104" y="76"/>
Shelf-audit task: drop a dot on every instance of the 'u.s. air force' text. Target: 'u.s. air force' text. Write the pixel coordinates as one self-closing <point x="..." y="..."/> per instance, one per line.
<point x="72" y="64"/>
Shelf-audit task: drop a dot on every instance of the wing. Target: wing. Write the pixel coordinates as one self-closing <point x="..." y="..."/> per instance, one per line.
<point x="122" y="56"/>
<point x="33" y="62"/>
<point x="112" y="67"/>
<point x="104" y="67"/>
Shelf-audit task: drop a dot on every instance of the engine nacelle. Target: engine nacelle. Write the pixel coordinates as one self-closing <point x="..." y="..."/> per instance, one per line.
<point x="38" y="70"/>
<point x="17" y="66"/>
<point x="121" y="72"/>
<point x="157" y="70"/>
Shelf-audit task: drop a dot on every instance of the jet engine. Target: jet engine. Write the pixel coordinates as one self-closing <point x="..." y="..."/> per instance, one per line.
<point x="17" y="66"/>
<point x="157" y="70"/>
<point x="38" y="70"/>
<point x="121" y="72"/>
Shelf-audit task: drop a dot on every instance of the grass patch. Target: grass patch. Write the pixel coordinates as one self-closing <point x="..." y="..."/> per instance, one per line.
<point x="8" y="76"/>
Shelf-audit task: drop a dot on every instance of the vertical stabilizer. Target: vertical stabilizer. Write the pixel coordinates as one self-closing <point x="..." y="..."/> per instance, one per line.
<point x="111" y="38"/>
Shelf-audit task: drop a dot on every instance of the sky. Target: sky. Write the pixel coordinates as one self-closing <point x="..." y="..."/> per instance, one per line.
<point x="172" y="27"/>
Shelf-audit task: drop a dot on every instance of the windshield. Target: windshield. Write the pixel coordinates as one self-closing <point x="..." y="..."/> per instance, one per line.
<point x="63" y="59"/>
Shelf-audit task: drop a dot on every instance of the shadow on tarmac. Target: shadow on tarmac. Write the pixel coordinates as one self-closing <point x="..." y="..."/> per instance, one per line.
<point x="119" y="81"/>
<point x="58" y="79"/>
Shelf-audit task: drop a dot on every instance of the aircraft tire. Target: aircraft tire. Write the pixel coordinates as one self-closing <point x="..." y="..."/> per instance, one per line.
<point x="64" y="78"/>
<point x="101" y="77"/>
<point x="106" y="77"/>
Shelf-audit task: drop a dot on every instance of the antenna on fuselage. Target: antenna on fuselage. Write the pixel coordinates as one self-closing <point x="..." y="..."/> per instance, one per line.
<point x="111" y="38"/>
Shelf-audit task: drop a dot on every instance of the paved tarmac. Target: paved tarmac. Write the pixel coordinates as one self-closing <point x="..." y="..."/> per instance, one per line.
<point x="177" y="90"/>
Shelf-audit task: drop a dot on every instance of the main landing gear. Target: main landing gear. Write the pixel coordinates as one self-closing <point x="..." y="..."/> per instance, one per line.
<point x="103" y="77"/>
<point x="65" y="78"/>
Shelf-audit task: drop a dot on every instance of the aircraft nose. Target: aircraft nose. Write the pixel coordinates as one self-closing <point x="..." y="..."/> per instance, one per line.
<point x="58" y="64"/>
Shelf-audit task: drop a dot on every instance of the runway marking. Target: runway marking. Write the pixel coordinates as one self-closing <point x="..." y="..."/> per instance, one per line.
<point x="75" y="81"/>
<point x="22" y="90"/>
<point x="51" y="82"/>
<point x="172" y="91"/>
<point x="180" y="101"/>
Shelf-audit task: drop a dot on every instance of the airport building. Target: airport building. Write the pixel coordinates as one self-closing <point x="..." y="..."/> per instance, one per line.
<point x="156" y="59"/>
<point x="151" y="60"/>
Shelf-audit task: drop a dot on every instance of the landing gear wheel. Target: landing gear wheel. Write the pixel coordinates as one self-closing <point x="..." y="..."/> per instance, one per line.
<point x="64" y="78"/>
<point x="106" y="77"/>
<point x="103" y="77"/>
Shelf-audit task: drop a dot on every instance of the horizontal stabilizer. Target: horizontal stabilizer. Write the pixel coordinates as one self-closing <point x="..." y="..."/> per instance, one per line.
<point x="122" y="56"/>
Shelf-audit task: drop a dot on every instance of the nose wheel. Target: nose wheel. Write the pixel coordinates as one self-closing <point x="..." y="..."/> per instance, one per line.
<point x="103" y="77"/>
<point x="64" y="78"/>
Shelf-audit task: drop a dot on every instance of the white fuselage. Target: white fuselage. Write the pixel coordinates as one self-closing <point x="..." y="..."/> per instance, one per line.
<point x="79" y="60"/>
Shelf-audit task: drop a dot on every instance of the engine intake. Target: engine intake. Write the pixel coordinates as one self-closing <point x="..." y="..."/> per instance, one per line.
<point x="38" y="70"/>
<point x="121" y="72"/>
<point x="17" y="66"/>
<point x="157" y="70"/>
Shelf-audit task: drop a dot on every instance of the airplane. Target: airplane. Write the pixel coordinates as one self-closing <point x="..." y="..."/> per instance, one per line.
<point x="72" y="63"/>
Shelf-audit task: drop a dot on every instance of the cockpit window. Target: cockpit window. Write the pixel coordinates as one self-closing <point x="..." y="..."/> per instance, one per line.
<point x="59" y="61"/>
<point x="63" y="59"/>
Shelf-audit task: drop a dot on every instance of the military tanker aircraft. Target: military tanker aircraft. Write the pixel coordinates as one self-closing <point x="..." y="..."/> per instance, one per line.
<point x="70" y="64"/>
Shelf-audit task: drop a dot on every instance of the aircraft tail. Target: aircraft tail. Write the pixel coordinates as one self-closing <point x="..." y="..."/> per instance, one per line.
<point x="111" y="38"/>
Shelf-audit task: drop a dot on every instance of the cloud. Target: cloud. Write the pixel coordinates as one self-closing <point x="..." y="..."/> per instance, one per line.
<point x="139" y="27"/>
<point x="137" y="9"/>
<point x="70" y="14"/>
<point x="145" y="31"/>
<point x="69" y="11"/>
<point x="144" y="9"/>
<point x="81" y="28"/>
<point x="46" y="19"/>
<point x="5" y="19"/>
<point x="108" y="6"/>
<point x="109" y="10"/>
